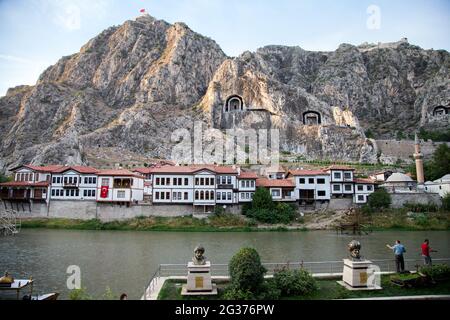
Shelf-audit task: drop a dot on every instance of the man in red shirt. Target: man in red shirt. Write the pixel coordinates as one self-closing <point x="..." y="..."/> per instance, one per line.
<point x="426" y="252"/>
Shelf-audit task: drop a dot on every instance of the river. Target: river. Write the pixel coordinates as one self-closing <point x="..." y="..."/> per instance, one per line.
<point x="124" y="261"/>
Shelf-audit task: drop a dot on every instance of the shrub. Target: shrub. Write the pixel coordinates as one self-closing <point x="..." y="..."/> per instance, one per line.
<point x="79" y="294"/>
<point x="246" y="207"/>
<point x="380" y="199"/>
<point x="219" y="210"/>
<point x="437" y="271"/>
<point x="419" y="207"/>
<point x="284" y="213"/>
<point x="269" y="291"/>
<point x="295" y="282"/>
<point x="446" y="202"/>
<point x="246" y="271"/>
<point x="421" y="220"/>
<point x="233" y="293"/>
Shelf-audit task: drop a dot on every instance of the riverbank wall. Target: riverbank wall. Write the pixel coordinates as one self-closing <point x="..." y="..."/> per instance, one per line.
<point x="106" y="212"/>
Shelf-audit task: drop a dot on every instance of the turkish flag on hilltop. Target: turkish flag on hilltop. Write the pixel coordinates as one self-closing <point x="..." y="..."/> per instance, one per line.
<point x="142" y="11"/>
<point x="104" y="192"/>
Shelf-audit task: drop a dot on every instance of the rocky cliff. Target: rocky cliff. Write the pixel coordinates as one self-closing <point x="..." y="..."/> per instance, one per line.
<point x="129" y="88"/>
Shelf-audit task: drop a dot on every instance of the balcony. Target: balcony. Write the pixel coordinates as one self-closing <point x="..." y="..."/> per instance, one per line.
<point x="70" y="185"/>
<point x="225" y="186"/>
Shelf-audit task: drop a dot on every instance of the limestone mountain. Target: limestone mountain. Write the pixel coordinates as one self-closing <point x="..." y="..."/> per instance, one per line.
<point x="129" y="88"/>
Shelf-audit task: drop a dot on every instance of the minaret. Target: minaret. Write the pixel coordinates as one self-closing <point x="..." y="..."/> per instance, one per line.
<point x="419" y="162"/>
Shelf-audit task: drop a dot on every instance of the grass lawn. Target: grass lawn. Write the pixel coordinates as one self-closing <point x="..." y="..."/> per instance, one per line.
<point x="328" y="289"/>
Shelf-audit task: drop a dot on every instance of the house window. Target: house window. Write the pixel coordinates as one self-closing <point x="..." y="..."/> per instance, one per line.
<point x="336" y="187"/>
<point x="54" y="180"/>
<point x="321" y="181"/>
<point x="186" y="181"/>
<point x="186" y="196"/>
<point x="72" y="193"/>
<point x="311" y="181"/>
<point x="242" y="184"/>
<point x="348" y="187"/>
<point x="168" y="181"/>
<point x="302" y="180"/>
<point x="276" y="193"/>
<point x="219" y="196"/>
<point x="157" y="195"/>
<point x="229" y="195"/>
<point x="347" y="175"/>
<point x="93" y="193"/>
<point x="196" y="195"/>
<point x="77" y="193"/>
<point x="157" y="182"/>
<point x="53" y="193"/>
<point x="337" y="175"/>
<point x="253" y="184"/>
<point x="120" y="194"/>
<point x="228" y="180"/>
<point x="58" y="180"/>
<point x="321" y="193"/>
<point x="105" y="182"/>
<point x="174" y="196"/>
<point x="175" y="181"/>
<point x="361" y="197"/>
<point x="85" y="193"/>
<point x="369" y="188"/>
<point x="360" y="188"/>
<point x="202" y="181"/>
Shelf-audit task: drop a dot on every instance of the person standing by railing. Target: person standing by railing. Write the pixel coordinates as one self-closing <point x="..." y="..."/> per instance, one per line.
<point x="426" y="252"/>
<point x="399" y="250"/>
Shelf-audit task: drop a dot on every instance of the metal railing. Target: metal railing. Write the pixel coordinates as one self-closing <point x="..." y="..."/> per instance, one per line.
<point x="316" y="268"/>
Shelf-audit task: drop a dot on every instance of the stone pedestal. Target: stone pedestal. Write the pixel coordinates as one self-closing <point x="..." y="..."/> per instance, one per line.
<point x="199" y="280"/>
<point x="355" y="275"/>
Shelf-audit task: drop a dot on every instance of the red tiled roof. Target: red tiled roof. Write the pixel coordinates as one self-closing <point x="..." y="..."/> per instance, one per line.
<point x="247" y="175"/>
<point x="364" y="181"/>
<point x="194" y="168"/>
<point x="118" y="173"/>
<point x="144" y="170"/>
<point x="268" y="183"/>
<point x="49" y="168"/>
<point x="338" y="167"/>
<point x="24" y="184"/>
<point x="308" y="173"/>
<point x="80" y="169"/>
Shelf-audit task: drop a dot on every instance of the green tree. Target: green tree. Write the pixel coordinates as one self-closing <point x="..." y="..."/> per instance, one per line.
<point x="246" y="271"/>
<point x="437" y="167"/>
<point x="380" y="199"/>
<point x="262" y="199"/>
<point x="446" y="202"/>
<point x="3" y="178"/>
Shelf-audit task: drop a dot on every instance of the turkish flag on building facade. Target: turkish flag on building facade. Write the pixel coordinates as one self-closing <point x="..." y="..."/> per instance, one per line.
<point x="104" y="192"/>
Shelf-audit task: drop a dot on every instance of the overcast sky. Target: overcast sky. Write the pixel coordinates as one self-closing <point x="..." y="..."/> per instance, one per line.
<point x="36" y="33"/>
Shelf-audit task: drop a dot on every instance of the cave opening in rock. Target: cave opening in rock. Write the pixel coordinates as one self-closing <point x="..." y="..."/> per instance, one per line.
<point x="441" y="111"/>
<point x="234" y="103"/>
<point x="312" y="118"/>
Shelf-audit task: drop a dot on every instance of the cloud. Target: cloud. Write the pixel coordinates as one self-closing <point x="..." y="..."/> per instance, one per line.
<point x="69" y="17"/>
<point x="15" y="59"/>
<point x="70" y="14"/>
